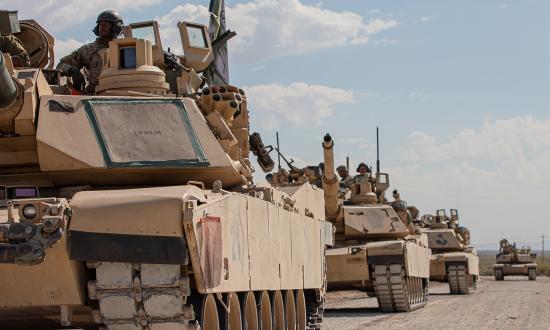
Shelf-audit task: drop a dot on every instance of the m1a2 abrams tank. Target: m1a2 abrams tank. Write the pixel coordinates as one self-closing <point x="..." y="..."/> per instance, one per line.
<point x="514" y="261"/>
<point x="133" y="209"/>
<point x="374" y="250"/>
<point x="454" y="260"/>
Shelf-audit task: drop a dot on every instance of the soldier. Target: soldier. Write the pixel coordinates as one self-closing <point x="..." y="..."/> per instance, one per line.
<point x="109" y="26"/>
<point x="345" y="178"/>
<point x="363" y="168"/>
<point x="396" y="196"/>
<point x="11" y="44"/>
<point x="400" y="207"/>
<point x="364" y="173"/>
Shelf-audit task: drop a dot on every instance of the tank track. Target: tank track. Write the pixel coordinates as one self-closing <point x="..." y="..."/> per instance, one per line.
<point x="499" y="275"/>
<point x="459" y="280"/>
<point x="315" y="303"/>
<point x="532" y="274"/>
<point x="141" y="297"/>
<point x="397" y="292"/>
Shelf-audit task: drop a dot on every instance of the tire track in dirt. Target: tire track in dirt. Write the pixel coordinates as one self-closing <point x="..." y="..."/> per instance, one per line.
<point x="514" y="303"/>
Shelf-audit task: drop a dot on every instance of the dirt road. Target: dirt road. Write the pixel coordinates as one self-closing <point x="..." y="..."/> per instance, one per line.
<point x="515" y="303"/>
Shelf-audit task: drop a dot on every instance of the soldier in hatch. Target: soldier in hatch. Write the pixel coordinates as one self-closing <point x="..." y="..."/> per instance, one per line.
<point x="109" y="26"/>
<point x="396" y="196"/>
<point x="345" y="179"/>
<point x="364" y="174"/>
<point x="9" y="43"/>
<point x="400" y="207"/>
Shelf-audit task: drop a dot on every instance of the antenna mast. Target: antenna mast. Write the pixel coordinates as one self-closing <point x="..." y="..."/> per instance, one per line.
<point x="377" y="152"/>
<point x="279" y="153"/>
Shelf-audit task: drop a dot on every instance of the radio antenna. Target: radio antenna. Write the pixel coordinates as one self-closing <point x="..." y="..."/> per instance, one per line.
<point x="377" y="152"/>
<point x="278" y="154"/>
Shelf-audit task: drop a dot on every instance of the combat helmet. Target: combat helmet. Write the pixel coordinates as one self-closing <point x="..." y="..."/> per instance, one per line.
<point x="110" y="16"/>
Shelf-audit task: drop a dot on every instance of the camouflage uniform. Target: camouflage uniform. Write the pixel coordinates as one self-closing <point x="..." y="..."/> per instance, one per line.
<point x="13" y="46"/>
<point x="88" y="56"/>
<point x="346" y="182"/>
<point x="345" y="179"/>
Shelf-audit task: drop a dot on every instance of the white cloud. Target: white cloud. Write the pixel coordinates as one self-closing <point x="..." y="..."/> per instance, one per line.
<point x="65" y="47"/>
<point x="297" y="104"/>
<point x="418" y="96"/>
<point x="269" y="29"/>
<point x="511" y="139"/>
<point x="168" y="24"/>
<point x="358" y="142"/>
<point x="499" y="175"/>
<point x="58" y="15"/>
<point x="385" y="41"/>
<point x="266" y="28"/>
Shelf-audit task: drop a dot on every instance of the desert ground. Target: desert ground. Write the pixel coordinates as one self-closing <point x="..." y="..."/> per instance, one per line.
<point x="514" y="303"/>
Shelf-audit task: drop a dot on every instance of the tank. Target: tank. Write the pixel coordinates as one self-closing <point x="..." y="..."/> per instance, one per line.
<point x="454" y="260"/>
<point x="375" y="251"/>
<point x="135" y="209"/>
<point x="513" y="261"/>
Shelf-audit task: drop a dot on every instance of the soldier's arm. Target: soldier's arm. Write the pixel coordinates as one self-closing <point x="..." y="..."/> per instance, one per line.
<point x="17" y="52"/>
<point x="71" y="64"/>
<point x="73" y="60"/>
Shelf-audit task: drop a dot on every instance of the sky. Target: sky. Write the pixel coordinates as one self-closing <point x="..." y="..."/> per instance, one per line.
<point x="459" y="90"/>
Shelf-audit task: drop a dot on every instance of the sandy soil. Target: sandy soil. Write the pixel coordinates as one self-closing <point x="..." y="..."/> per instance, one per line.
<point x="514" y="303"/>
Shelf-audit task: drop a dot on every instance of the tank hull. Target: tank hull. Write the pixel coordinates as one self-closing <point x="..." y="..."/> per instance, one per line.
<point x="370" y="266"/>
<point x="459" y="269"/>
<point x="214" y="243"/>
<point x="515" y="269"/>
<point x="440" y="261"/>
<point x="515" y="264"/>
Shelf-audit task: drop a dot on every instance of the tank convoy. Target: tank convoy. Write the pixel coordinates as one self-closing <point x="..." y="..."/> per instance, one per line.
<point x="454" y="260"/>
<point x="511" y="261"/>
<point x="134" y="208"/>
<point x="375" y="250"/>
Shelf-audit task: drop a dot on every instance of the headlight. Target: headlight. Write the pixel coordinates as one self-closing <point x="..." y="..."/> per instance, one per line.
<point x="29" y="211"/>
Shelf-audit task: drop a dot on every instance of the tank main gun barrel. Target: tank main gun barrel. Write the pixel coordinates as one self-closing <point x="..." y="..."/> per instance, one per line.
<point x="8" y="90"/>
<point x="330" y="181"/>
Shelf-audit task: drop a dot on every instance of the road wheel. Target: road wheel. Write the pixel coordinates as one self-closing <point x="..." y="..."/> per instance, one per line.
<point x="209" y="313"/>
<point x="250" y="312"/>
<point x="532" y="274"/>
<point x="290" y="310"/>
<point x="301" y="310"/>
<point x="278" y="311"/>
<point x="266" y="321"/>
<point x="232" y="317"/>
